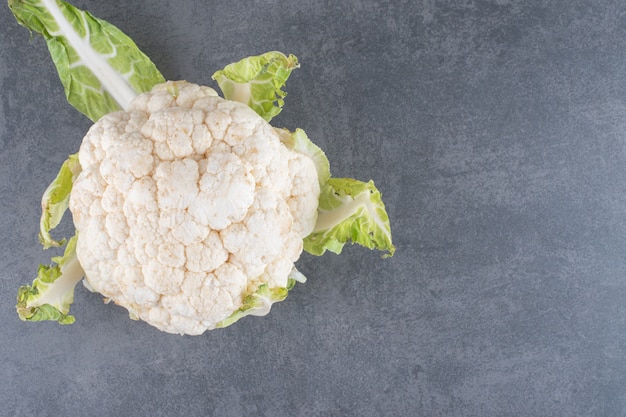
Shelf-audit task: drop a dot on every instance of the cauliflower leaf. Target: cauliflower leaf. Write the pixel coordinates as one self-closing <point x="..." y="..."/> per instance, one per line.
<point x="260" y="302"/>
<point x="100" y="67"/>
<point x="55" y="201"/>
<point x="300" y="142"/>
<point x="350" y="210"/>
<point x="257" y="81"/>
<point x="50" y="295"/>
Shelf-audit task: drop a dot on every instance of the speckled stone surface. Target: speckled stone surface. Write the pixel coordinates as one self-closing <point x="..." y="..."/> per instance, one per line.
<point x="496" y="131"/>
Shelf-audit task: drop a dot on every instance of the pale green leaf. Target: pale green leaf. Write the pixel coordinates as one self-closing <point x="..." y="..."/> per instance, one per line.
<point x="257" y="81"/>
<point x="100" y="67"/>
<point x="300" y="142"/>
<point x="50" y="295"/>
<point x="350" y="210"/>
<point x="260" y="302"/>
<point x="55" y="201"/>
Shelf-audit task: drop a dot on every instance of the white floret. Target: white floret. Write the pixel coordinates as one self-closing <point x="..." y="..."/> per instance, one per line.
<point x="186" y="203"/>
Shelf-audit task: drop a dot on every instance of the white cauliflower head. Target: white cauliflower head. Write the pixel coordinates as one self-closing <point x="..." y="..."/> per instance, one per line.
<point x="186" y="204"/>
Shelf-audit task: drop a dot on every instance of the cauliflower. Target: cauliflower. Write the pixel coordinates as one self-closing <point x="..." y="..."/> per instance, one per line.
<point x="187" y="198"/>
<point x="190" y="209"/>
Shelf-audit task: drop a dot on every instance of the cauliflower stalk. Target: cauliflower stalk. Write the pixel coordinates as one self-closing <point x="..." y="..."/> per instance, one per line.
<point x="190" y="209"/>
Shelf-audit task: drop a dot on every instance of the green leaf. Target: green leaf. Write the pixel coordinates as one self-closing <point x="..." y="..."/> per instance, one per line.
<point x="257" y="81"/>
<point x="55" y="201"/>
<point x="100" y="67"/>
<point x="50" y="295"/>
<point x="300" y="142"/>
<point x="260" y="302"/>
<point x="350" y="210"/>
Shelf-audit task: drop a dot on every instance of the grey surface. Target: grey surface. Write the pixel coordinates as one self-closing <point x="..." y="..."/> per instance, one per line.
<point x="496" y="131"/>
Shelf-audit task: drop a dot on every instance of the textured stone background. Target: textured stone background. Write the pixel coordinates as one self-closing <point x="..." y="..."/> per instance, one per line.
<point x="496" y="130"/>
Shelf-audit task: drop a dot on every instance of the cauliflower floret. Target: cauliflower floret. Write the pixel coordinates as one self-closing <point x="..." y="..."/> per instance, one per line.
<point x="186" y="203"/>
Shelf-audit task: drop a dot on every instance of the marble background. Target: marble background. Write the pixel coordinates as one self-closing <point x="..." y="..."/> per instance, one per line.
<point x="495" y="129"/>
